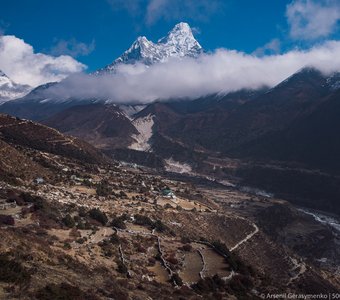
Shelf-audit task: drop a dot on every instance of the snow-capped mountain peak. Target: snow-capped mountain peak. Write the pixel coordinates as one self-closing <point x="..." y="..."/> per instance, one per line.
<point x="141" y="44"/>
<point x="10" y="90"/>
<point x="179" y="42"/>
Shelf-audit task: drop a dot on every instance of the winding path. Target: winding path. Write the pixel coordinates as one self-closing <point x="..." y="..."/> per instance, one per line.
<point x="248" y="237"/>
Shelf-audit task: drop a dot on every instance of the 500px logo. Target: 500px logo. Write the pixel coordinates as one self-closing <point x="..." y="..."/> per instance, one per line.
<point x="320" y="296"/>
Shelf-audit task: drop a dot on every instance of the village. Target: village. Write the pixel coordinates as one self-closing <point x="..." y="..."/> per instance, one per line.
<point x="148" y="229"/>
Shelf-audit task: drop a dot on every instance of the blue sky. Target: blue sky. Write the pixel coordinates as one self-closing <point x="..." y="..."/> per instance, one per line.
<point x="96" y="32"/>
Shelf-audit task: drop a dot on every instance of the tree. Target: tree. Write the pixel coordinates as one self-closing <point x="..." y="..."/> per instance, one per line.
<point x="118" y="222"/>
<point x="159" y="226"/>
<point x="98" y="215"/>
<point x="143" y="220"/>
<point x="68" y="221"/>
<point x="103" y="189"/>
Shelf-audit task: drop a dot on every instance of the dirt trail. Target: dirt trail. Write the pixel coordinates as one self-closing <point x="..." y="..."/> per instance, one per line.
<point x="100" y="235"/>
<point x="248" y="237"/>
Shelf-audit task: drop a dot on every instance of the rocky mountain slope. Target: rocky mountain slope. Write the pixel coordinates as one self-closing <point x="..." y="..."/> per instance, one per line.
<point x="104" y="126"/>
<point x="142" y="234"/>
<point x="24" y="134"/>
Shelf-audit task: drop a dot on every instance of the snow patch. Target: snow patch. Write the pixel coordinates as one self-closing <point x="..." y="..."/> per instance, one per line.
<point x="131" y="110"/>
<point x="334" y="81"/>
<point x="142" y="140"/>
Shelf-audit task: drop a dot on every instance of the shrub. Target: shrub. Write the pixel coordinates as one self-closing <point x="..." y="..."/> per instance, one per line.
<point x="118" y="222"/>
<point x="178" y="280"/>
<point x="39" y="202"/>
<point x="103" y="189"/>
<point x="82" y="212"/>
<point x="87" y="182"/>
<point x="172" y="260"/>
<point x="159" y="226"/>
<point x="81" y="225"/>
<point x="168" y="206"/>
<point x="221" y="248"/>
<point x="186" y="247"/>
<point x="7" y="220"/>
<point x="98" y="215"/>
<point x="108" y="252"/>
<point x="233" y="260"/>
<point x="114" y="239"/>
<point x="143" y="220"/>
<point x="68" y="221"/>
<point x="67" y="246"/>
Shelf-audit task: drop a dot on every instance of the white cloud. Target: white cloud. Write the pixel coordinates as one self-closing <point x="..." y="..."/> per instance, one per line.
<point x="21" y="64"/>
<point x="272" y="47"/>
<point x="312" y="19"/>
<point x="221" y="71"/>
<point x="72" y="47"/>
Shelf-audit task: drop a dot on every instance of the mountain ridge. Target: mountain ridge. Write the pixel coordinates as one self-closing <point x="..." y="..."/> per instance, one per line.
<point x="180" y="42"/>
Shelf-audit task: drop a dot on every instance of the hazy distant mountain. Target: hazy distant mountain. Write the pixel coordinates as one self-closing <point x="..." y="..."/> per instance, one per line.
<point x="39" y="104"/>
<point x="245" y="124"/>
<point x="10" y="90"/>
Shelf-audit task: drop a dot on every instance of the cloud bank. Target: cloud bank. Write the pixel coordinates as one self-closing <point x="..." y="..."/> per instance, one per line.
<point x="19" y="61"/>
<point x="221" y="71"/>
<point x="311" y="19"/>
